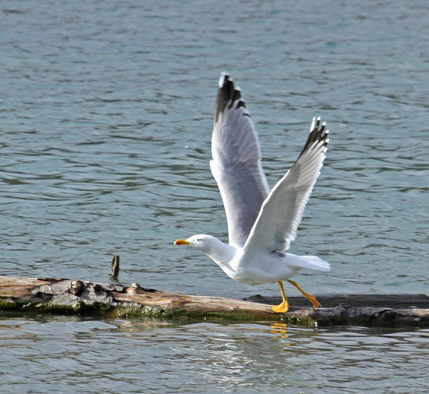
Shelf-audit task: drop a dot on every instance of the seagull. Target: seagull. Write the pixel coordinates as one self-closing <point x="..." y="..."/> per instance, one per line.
<point x="261" y="223"/>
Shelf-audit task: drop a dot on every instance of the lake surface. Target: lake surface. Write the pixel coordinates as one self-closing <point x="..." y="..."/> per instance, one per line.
<point x="105" y="127"/>
<point x="116" y="356"/>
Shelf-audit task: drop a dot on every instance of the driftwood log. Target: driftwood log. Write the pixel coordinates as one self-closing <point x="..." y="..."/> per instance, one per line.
<point x="64" y="296"/>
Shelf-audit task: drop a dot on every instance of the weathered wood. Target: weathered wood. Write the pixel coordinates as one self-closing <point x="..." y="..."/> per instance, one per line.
<point x="56" y="295"/>
<point x="114" y="269"/>
<point x="365" y="309"/>
<point x="398" y="301"/>
<point x="64" y="296"/>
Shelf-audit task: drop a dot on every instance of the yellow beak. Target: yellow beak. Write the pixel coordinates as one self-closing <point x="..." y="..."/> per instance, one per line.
<point x="181" y="242"/>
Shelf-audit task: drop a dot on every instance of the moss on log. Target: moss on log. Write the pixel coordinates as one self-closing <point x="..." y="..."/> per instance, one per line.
<point x="64" y="296"/>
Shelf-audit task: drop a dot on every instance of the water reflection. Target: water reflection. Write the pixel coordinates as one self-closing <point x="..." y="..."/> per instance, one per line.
<point x="279" y="328"/>
<point x="226" y="357"/>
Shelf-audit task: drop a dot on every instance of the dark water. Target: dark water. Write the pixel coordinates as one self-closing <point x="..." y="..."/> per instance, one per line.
<point x="105" y="126"/>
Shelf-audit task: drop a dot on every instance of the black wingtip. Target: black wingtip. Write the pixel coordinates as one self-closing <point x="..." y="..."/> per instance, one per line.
<point x="227" y="95"/>
<point x="318" y="133"/>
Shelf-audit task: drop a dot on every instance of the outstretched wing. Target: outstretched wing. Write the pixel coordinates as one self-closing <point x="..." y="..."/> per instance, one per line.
<point x="281" y="213"/>
<point x="236" y="163"/>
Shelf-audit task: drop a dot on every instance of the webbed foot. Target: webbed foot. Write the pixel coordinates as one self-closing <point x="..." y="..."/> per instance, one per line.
<point x="281" y="308"/>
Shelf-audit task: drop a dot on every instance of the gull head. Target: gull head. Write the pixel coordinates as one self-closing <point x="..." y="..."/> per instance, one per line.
<point x="200" y="241"/>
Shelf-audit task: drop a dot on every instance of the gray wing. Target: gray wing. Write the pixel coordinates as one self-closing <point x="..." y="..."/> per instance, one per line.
<point x="236" y="163"/>
<point x="281" y="213"/>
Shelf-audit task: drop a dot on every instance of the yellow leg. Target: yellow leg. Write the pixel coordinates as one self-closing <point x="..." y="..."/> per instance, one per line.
<point x="284" y="306"/>
<point x="309" y="297"/>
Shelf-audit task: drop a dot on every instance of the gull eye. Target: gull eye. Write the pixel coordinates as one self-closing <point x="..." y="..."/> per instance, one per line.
<point x="199" y="240"/>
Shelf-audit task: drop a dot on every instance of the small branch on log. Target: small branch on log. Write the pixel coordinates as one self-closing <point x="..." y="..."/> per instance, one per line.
<point x="114" y="269"/>
<point x="64" y="296"/>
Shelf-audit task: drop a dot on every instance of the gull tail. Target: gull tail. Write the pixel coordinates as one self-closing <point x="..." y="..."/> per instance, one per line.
<point x="310" y="262"/>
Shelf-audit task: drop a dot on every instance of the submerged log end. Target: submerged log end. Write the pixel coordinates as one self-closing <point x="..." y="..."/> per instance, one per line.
<point x="367" y="316"/>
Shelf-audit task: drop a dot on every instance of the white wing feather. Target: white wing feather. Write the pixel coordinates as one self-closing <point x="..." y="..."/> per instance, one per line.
<point x="236" y="163"/>
<point x="281" y="213"/>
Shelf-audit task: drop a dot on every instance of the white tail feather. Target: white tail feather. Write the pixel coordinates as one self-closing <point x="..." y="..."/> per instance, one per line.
<point x="311" y="262"/>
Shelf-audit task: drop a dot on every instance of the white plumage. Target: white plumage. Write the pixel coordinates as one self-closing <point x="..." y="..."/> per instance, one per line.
<point x="261" y="224"/>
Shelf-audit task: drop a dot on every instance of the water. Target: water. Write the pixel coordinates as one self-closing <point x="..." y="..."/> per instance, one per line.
<point x="105" y="125"/>
<point x="71" y="355"/>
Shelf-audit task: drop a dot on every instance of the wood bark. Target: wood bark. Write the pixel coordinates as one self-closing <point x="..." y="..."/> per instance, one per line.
<point x="65" y="296"/>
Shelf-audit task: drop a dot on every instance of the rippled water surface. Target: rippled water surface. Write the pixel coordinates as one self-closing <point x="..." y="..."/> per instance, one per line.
<point x="105" y="126"/>
<point x="71" y="355"/>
